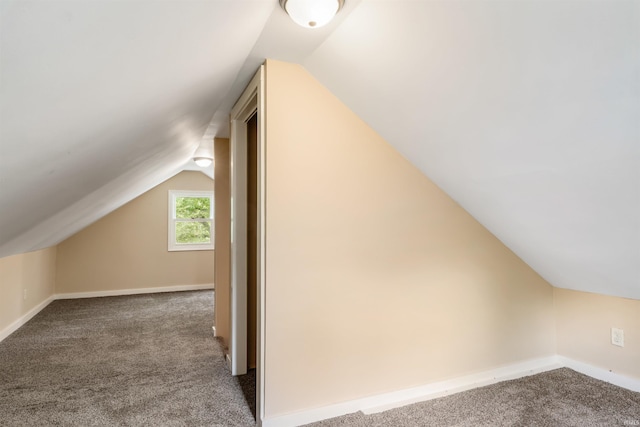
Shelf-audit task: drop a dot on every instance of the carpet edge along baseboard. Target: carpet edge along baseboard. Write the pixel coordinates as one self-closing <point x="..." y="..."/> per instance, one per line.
<point x="16" y="324"/>
<point x="400" y="398"/>
<point x="136" y="291"/>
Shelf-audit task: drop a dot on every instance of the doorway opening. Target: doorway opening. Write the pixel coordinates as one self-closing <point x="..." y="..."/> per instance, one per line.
<point x="246" y="353"/>
<point x="248" y="380"/>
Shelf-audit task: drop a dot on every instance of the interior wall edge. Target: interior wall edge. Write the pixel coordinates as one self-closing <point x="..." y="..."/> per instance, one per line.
<point x="584" y="328"/>
<point x="22" y="320"/>
<point x="27" y="284"/>
<point x="601" y="374"/>
<point x="631" y="296"/>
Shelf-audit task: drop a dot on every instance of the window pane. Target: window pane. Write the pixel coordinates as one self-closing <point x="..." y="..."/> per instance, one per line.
<point x="193" y="232"/>
<point x="193" y="207"/>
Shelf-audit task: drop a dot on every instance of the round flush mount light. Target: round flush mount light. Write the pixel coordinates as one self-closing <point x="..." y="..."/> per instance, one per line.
<point x="311" y="13"/>
<point x="203" y="156"/>
<point x="203" y="162"/>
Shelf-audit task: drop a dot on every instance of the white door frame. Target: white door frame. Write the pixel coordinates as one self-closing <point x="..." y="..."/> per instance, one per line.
<point x="251" y="102"/>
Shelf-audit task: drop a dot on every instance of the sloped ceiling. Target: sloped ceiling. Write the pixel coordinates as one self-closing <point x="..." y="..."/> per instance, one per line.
<point x="102" y="96"/>
<point x="526" y="112"/>
<point x="102" y="100"/>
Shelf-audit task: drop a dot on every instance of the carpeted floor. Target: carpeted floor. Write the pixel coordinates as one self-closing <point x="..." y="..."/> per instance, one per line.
<point x="143" y="360"/>
<point x="559" y="398"/>
<point x="248" y="386"/>
<point x="151" y="360"/>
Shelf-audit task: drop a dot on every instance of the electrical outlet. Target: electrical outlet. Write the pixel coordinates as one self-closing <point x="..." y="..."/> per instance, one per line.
<point x="617" y="337"/>
<point x="24" y="294"/>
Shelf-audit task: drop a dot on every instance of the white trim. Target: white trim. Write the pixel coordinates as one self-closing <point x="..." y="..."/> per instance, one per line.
<point x="25" y="318"/>
<point x="262" y="249"/>
<point x="601" y="374"/>
<point x="400" y="398"/>
<point x="460" y="384"/>
<point x="242" y="111"/>
<point x="396" y="399"/>
<point x="38" y="308"/>
<point x="238" y="309"/>
<point x="386" y="401"/>
<point x="213" y="328"/>
<point x="251" y="102"/>
<point x="118" y="292"/>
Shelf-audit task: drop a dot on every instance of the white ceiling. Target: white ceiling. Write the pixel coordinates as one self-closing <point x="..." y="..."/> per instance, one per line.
<point x="526" y="112"/>
<point x="102" y="99"/>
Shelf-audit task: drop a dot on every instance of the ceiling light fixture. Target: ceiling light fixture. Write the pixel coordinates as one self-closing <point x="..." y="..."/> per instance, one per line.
<point x="311" y="13"/>
<point x="203" y="162"/>
<point x="203" y="157"/>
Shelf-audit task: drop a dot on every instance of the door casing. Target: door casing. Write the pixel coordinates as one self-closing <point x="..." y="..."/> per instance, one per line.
<point x="251" y="102"/>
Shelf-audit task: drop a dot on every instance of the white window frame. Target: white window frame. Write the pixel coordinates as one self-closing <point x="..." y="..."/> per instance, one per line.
<point x="172" y="245"/>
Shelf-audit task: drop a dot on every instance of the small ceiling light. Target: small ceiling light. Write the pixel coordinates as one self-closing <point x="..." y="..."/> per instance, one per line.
<point x="204" y="153"/>
<point x="203" y="162"/>
<point x="312" y="13"/>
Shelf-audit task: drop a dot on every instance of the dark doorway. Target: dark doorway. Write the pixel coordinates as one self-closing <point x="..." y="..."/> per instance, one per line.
<point x="248" y="381"/>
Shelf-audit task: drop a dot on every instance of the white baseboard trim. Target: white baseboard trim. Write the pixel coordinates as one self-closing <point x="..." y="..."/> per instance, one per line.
<point x="383" y="402"/>
<point x="457" y="385"/>
<point x="35" y="310"/>
<point x="25" y="318"/>
<point x="386" y="401"/>
<point x="601" y="374"/>
<point x="214" y="331"/>
<point x="119" y="292"/>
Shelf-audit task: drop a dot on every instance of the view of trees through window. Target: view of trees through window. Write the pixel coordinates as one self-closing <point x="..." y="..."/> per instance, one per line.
<point x="193" y="220"/>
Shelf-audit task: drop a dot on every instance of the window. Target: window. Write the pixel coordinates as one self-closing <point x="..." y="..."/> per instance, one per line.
<point x="190" y="220"/>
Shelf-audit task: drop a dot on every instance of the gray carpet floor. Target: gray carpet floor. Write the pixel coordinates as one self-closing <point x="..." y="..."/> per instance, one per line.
<point x="557" y="398"/>
<point x="143" y="360"/>
<point x="151" y="360"/>
<point x="248" y="386"/>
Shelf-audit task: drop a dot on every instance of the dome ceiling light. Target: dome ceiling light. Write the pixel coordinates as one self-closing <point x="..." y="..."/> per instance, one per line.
<point x="203" y="162"/>
<point x="203" y="157"/>
<point x="311" y="13"/>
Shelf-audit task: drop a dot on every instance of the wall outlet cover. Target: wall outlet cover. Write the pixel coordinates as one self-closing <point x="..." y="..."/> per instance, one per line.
<point x="617" y="337"/>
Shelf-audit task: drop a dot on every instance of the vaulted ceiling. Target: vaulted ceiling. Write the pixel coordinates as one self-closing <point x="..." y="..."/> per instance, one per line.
<point x="527" y="113"/>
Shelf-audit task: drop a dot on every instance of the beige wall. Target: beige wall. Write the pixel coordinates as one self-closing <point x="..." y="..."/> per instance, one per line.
<point x="584" y="322"/>
<point x="375" y="279"/>
<point x="33" y="271"/>
<point x="223" y="239"/>
<point x="127" y="249"/>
